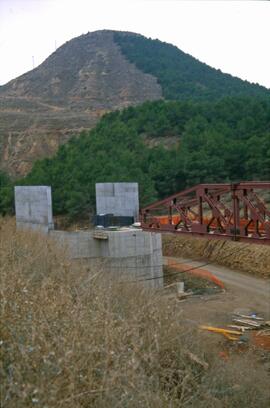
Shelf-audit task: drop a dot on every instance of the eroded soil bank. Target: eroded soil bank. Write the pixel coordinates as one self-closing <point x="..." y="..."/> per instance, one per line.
<point x="250" y="258"/>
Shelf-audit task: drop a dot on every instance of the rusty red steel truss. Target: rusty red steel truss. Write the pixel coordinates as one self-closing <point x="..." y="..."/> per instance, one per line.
<point x="236" y="211"/>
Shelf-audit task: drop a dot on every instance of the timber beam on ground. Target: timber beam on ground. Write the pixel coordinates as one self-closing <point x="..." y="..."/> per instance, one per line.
<point x="236" y="211"/>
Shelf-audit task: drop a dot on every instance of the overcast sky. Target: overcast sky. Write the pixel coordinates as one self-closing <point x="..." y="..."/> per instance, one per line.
<point x="233" y="36"/>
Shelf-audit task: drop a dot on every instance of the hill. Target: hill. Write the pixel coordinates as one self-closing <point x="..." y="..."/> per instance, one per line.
<point x="225" y="141"/>
<point x="180" y="75"/>
<point x="68" y="92"/>
<point x="91" y="75"/>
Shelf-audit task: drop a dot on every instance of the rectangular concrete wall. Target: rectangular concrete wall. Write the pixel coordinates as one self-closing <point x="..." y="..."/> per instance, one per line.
<point x="135" y="253"/>
<point x="81" y="244"/>
<point x="33" y="206"/>
<point x="120" y="199"/>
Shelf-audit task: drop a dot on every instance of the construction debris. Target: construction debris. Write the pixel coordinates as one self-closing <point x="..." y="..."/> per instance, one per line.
<point x="219" y="330"/>
<point x="229" y="334"/>
<point x="253" y="316"/>
<point x="261" y="339"/>
<point x="244" y="323"/>
<point x="180" y="287"/>
<point x="242" y="328"/>
<point x="265" y="332"/>
<point x="248" y="322"/>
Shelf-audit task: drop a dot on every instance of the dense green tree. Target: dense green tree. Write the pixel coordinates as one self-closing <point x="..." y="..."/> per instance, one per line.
<point x="214" y="142"/>
<point x="6" y="194"/>
<point x="181" y="76"/>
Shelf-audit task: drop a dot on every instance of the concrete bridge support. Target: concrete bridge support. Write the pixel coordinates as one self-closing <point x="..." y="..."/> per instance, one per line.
<point x="131" y="252"/>
<point x="33" y="206"/>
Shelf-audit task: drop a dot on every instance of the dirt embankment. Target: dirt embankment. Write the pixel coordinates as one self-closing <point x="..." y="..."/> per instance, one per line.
<point x="250" y="258"/>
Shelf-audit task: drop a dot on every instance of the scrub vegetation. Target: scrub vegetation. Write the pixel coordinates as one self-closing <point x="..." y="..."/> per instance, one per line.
<point x="71" y="336"/>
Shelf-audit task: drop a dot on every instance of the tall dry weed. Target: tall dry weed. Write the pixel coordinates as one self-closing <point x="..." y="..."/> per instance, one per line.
<point x="79" y="337"/>
<point x="74" y="337"/>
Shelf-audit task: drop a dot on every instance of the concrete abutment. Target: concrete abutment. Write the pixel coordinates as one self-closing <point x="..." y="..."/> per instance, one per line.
<point x="129" y="251"/>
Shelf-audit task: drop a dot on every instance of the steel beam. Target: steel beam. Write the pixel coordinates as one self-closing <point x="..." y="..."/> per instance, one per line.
<point x="225" y="211"/>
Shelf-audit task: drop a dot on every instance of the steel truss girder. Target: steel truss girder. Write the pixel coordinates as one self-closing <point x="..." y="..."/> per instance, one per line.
<point x="234" y="211"/>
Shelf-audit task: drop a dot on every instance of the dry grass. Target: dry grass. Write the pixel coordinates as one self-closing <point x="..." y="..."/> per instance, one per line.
<point x="71" y="337"/>
<point x="250" y="258"/>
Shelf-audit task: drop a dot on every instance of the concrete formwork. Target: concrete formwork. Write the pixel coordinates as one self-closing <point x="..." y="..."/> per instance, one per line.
<point x="33" y="206"/>
<point x="120" y="199"/>
<point x="134" y="253"/>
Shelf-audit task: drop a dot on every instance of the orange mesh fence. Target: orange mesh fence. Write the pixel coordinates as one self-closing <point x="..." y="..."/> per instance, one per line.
<point x="202" y="273"/>
<point x="164" y="220"/>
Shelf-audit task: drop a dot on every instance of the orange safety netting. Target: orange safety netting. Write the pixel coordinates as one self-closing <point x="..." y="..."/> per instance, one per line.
<point x="202" y="273"/>
<point x="164" y="220"/>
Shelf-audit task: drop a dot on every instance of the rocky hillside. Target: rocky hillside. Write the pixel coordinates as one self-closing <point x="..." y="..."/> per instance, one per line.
<point x="93" y="74"/>
<point x="82" y="80"/>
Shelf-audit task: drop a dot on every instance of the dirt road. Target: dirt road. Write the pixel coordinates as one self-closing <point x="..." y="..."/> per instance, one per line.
<point x="243" y="294"/>
<point x="247" y="290"/>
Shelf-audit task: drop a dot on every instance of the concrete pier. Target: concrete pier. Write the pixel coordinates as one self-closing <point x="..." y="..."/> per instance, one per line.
<point x="130" y="252"/>
<point x="33" y="206"/>
<point x="134" y="253"/>
<point x="120" y="199"/>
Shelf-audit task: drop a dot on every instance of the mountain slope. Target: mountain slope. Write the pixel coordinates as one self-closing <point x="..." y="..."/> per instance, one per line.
<point x="180" y="75"/>
<point x="225" y="141"/>
<point x="82" y="80"/>
<point x="91" y="75"/>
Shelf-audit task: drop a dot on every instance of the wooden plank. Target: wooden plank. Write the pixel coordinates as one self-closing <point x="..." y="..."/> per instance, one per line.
<point x="247" y="322"/>
<point x="249" y="317"/>
<point x="100" y="235"/>
<point x="220" y="330"/>
<point x="242" y="328"/>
